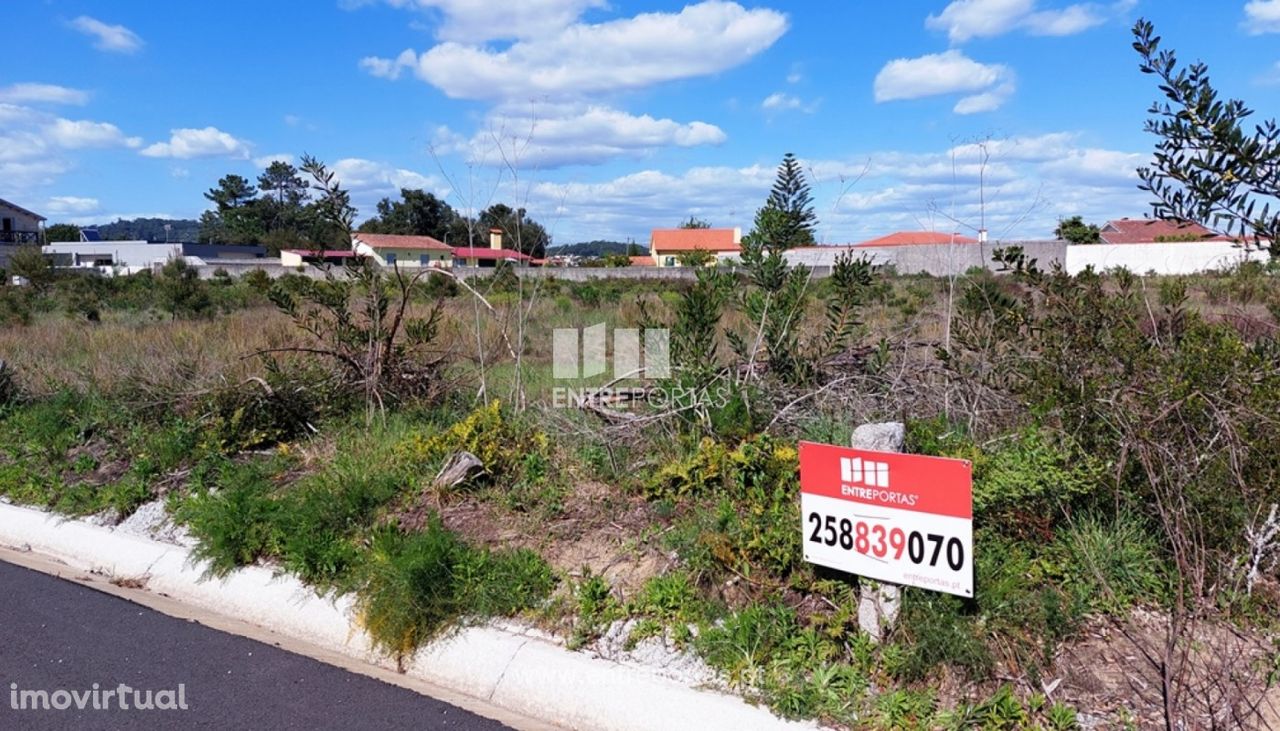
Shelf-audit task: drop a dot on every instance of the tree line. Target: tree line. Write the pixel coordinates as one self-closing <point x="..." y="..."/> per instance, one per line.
<point x="280" y="213"/>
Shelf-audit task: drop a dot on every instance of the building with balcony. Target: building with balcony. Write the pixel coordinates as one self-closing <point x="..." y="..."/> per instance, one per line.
<point x="18" y="225"/>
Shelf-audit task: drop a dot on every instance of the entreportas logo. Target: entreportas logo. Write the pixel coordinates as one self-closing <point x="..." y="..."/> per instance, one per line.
<point x="856" y="471"/>
<point x="641" y="357"/>
<point x="581" y="352"/>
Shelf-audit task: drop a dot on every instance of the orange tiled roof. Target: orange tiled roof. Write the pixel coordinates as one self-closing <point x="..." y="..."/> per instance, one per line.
<point x="692" y="239"/>
<point x="642" y="261"/>
<point x="397" y="241"/>
<point x="1147" y="230"/>
<point x="915" y="238"/>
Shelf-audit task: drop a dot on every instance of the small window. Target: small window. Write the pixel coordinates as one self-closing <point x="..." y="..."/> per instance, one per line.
<point x="8" y="225"/>
<point x="391" y="259"/>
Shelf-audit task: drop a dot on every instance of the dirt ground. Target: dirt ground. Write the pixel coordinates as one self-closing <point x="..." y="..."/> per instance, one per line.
<point x="598" y="530"/>
<point x="1220" y="675"/>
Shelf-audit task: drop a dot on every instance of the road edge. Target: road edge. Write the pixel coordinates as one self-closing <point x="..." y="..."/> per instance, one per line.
<point x="523" y="672"/>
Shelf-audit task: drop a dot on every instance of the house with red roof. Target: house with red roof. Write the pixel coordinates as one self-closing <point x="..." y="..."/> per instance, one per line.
<point x="479" y="256"/>
<point x="1156" y="231"/>
<point x="667" y="245"/>
<point x="917" y="238"/>
<point x="406" y="252"/>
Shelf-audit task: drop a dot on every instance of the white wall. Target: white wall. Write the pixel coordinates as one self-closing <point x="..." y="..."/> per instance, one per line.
<point x="130" y="256"/>
<point x="1167" y="258"/>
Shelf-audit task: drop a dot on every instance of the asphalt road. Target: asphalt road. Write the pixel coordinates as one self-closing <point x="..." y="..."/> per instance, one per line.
<point x="58" y="635"/>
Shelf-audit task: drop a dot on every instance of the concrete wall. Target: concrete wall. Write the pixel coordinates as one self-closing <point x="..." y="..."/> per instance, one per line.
<point x="240" y="267"/>
<point x="1167" y="258"/>
<point x="584" y="274"/>
<point x="940" y="260"/>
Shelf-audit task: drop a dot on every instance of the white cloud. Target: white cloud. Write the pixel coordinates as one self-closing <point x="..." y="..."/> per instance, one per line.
<point x="65" y="205"/>
<point x="42" y="94"/>
<point x="1052" y="175"/>
<point x="484" y="20"/>
<point x="781" y="101"/>
<point x="34" y="146"/>
<point x="949" y="72"/>
<point x="987" y="101"/>
<point x="575" y="69"/>
<point x="553" y="135"/>
<point x="185" y="144"/>
<point x="1271" y="76"/>
<point x="369" y="181"/>
<point x="581" y="58"/>
<point x="384" y="68"/>
<point x="1262" y="16"/>
<point x="114" y="38"/>
<point x="266" y="160"/>
<point x="965" y="20"/>
<point x="75" y="134"/>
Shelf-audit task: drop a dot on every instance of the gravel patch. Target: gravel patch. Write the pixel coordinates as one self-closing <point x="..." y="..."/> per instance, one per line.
<point x="152" y="520"/>
<point x="658" y="655"/>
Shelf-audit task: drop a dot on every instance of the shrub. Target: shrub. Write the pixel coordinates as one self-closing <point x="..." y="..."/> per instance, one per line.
<point x="413" y="586"/>
<point x="181" y="291"/>
<point x="757" y="490"/>
<point x="236" y="524"/>
<point x="502" y="447"/>
<point x="1111" y="564"/>
<point x="320" y="521"/>
<point x="595" y="608"/>
<point x="265" y="411"/>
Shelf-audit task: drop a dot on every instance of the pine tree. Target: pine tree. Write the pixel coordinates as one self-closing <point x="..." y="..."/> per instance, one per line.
<point x="790" y="195"/>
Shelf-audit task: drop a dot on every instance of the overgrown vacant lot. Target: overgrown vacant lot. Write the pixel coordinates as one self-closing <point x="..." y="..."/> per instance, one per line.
<point x="1122" y="430"/>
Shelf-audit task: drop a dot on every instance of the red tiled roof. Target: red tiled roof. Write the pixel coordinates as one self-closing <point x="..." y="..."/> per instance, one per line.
<point x="692" y="239"/>
<point x="915" y="238"/>
<point x="1148" y="230"/>
<point x="478" y="252"/>
<point x="642" y="261"/>
<point x="396" y="241"/>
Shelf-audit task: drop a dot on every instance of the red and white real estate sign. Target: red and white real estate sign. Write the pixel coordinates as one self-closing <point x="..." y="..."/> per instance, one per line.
<point x="902" y="518"/>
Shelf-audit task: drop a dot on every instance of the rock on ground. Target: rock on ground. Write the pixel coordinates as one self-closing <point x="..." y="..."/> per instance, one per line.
<point x="152" y="520"/>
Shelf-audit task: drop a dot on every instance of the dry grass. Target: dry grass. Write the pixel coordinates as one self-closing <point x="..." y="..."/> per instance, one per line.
<point x="172" y="356"/>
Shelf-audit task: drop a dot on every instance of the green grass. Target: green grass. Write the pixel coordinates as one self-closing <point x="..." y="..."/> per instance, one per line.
<point x="414" y="586"/>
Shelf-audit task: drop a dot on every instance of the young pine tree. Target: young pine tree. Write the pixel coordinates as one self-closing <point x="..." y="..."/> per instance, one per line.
<point x="790" y="196"/>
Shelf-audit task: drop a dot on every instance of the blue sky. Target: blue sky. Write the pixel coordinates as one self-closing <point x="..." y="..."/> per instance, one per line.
<point x="608" y="118"/>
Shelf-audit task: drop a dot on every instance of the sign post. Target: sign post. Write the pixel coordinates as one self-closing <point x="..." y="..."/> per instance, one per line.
<point x="900" y="518"/>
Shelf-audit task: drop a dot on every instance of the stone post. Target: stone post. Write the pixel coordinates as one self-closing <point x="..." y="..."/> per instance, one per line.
<point x="878" y="602"/>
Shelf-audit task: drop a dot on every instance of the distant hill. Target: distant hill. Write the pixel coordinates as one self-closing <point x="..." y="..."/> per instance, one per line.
<point x="150" y="229"/>
<point x="595" y="248"/>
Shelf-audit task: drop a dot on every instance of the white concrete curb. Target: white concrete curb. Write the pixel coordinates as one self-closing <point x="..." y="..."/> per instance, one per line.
<point x="520" y="672"/>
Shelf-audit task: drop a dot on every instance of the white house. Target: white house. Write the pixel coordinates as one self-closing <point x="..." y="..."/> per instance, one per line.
<point x="402" y="251"/>
<point x="18" y="225"/>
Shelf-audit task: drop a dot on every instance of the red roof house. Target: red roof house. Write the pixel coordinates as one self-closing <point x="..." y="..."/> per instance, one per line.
<point x="402" y="251"/>
<point x="917" y="238"/>
<point x="1155" y="230"/>
<point x="667" y="244"/>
